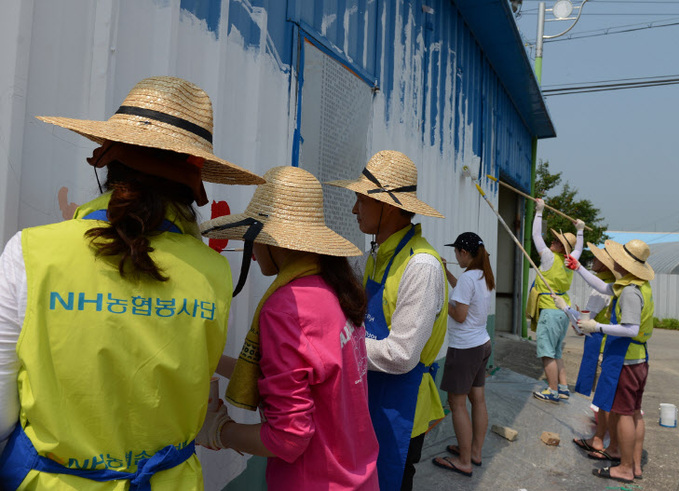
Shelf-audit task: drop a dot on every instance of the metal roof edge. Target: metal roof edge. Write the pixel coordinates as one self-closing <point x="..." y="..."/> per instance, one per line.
<point x="492" y="24"/>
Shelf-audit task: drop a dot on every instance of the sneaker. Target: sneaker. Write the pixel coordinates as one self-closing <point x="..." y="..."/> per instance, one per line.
<point x="564" y="393"/>
<point x="547" y="396"/>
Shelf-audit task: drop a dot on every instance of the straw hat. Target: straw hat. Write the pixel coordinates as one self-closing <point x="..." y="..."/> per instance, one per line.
<point x="603" y="256"/>
<point x="567" y="240"/>
<point x="390" y="177"/>
<point x="632" y="256"/>
<point x="289" y="207"/>
<point x="167" y="113"/>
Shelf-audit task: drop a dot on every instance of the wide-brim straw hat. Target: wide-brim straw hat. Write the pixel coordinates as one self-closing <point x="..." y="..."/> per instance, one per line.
<point x="290" y="207"/>
<point x="633" y="257"/>
<point x="167" y="113"/>
<point x="603" y="256"/>
<point x="567" y="240"/>
<point x="390" y="177"/>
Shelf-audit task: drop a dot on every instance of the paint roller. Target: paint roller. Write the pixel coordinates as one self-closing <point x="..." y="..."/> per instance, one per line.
<point x="534" y="199"/>
<point x="467" y="172"/>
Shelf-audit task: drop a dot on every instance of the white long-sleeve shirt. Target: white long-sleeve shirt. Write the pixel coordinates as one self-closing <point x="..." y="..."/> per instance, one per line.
<point x="631" y="303"/>
<point x="546" y="255"/>
<point x="421" y="293"/>
<point x="13" y="298"/>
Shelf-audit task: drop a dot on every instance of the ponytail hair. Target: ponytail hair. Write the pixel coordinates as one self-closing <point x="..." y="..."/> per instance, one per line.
<point x="136" y="210"/>
<point x="480" y="261"/>
<point x="337" y="273"/>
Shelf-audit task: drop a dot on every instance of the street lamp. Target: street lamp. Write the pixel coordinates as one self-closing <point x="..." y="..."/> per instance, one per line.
<point x="562" y="11"/>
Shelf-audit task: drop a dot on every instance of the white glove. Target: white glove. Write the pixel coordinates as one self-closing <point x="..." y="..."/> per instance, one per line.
<point x="588" y="326"/>
<point x="560" y="303"/>
<point x="209" y="435"/>
<point x="579" y="225"/>
<point x="539" y="205"/>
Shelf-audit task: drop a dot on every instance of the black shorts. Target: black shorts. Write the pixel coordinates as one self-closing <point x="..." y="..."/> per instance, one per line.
<point x="465" y="368"/>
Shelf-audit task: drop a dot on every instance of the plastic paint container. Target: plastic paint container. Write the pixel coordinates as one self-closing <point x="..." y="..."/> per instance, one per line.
<point x="668" y="415"/>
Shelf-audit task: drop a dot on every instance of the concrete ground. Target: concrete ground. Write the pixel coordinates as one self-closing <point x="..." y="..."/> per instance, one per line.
<point x="527" y="463"/>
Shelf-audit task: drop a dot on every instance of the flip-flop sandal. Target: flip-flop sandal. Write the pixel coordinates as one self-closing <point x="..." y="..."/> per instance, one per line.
<point x="582" y="443"/>
<point x="455" y="450"/>
<point x="606" y="474"/>
<point x="602" y="455"/>
<point x="450" y="467"/>
<point x="638" y="477"/>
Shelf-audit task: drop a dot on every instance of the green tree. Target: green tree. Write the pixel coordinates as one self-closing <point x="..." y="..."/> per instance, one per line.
<point x="566" y="201"/>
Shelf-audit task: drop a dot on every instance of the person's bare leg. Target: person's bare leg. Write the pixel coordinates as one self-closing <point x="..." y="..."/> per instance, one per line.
<point x="561" y="371"/>
<point x="626" y="433"/>
<point x="551" y="372"/>
<point x="640" y="433"/>
<point x="613" y="449"/>
<point x="462" y="425"/>
<point x="597" y="441"/>
<point x="477" y="397"/>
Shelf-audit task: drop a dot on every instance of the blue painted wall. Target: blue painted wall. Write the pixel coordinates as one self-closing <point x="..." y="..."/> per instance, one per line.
<point x="433" y="41"/>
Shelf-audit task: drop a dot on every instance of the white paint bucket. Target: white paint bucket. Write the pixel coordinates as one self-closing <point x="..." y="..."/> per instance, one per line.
<point x="668" y="415"/>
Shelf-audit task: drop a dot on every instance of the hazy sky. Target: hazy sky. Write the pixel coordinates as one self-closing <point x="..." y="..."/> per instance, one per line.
<point x="619" y="148"/>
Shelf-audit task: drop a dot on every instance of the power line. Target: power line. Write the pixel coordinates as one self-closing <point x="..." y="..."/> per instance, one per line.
<point x="613" y="30"/>
<point x="602" y="87"/>
<point x="618" y="80"/>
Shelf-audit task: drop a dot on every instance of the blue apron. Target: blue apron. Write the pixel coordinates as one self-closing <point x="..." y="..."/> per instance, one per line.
<point x="20" y="457"/>
<point x="611" y="366"/>
<point x="590" y="359"/>
<point x="165" y="226"/>
<point x="392" y="398"/>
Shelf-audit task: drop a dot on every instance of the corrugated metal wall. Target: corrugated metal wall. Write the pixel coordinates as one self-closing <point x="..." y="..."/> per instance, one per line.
<point x="437" y="99"/>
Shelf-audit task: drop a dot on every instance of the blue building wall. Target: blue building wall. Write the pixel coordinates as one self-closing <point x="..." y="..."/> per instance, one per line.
<point x="437" y="44"/>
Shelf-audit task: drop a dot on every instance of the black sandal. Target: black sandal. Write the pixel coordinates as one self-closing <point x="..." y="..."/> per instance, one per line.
<point x="606" y="474"/>
<point x="455" y="450"/>
<point x="450" y="466"/>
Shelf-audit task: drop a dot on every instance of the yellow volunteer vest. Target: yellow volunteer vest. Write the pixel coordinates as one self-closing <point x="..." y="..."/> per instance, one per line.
<point x="637" y="351"/>
<point x="111" y="369"/>
<point x="559" y="278"/>
<point x="429" y="405"/>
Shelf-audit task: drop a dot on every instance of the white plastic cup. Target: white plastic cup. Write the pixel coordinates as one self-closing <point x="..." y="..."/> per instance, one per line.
<point x="668" y="415"/>
<point x="213" y="400"/>
<point x="584" y="315"/>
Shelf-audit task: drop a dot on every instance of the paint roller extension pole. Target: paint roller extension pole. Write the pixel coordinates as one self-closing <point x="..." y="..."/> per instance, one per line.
<point x="465" y="169"/>
<point x="530" y="197"/>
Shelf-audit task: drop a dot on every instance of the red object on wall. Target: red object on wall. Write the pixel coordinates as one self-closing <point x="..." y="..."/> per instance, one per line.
<point x="219" y="208"/>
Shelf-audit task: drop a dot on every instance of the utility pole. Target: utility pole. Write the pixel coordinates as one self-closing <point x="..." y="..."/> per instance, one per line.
<point x="562" y="10"/>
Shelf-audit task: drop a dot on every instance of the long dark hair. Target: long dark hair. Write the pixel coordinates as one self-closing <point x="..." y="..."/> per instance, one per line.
<point x="136" y="211"/>
<point x="340" y="277"/>
<point x="480" y="261"/>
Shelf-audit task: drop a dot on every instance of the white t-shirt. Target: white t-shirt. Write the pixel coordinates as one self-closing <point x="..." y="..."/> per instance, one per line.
<point x="470" y="290"/>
